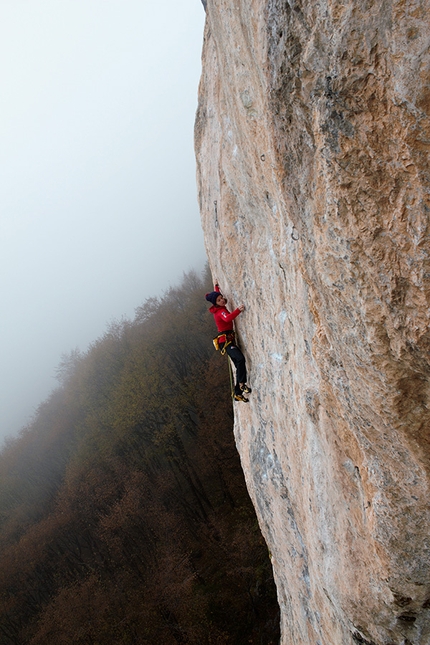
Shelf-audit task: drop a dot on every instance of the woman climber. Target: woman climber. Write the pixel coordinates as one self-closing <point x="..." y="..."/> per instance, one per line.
<point x="226" y="339"/>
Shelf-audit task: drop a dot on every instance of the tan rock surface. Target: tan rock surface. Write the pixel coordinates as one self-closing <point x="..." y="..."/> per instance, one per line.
<point x="312" y="143"/>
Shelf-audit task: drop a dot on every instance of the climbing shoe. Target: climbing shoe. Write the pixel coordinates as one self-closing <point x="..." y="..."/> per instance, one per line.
<point x="246" y="389"/>
<point x="240" y="397"/>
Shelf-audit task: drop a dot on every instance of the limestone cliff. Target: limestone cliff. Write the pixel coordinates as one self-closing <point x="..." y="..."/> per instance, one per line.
<point x="312" y="143"/>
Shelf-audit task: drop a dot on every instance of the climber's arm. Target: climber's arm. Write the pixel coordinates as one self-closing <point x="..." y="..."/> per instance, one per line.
<point x="228" y="317"/>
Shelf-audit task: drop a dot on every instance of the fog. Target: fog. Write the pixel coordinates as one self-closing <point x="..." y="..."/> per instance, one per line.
<point x="97" y="183"/>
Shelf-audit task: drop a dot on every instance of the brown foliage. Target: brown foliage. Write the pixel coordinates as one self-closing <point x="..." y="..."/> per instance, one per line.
<point x="123" y="510"/>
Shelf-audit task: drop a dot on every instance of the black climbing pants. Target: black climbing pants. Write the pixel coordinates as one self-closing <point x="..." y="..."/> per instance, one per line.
<point x="239" y="362"/>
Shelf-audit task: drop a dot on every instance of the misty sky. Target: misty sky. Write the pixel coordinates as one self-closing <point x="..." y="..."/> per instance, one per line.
<point x="97" y="184"/>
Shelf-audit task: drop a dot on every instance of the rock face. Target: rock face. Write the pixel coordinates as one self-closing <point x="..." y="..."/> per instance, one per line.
<point x="312" y="144"/>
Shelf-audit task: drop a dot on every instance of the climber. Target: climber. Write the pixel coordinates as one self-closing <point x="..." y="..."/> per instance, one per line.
<point x="226" y="339"/>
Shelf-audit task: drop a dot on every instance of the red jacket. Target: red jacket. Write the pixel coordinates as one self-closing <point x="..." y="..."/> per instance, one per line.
<point x="223" y="318"/>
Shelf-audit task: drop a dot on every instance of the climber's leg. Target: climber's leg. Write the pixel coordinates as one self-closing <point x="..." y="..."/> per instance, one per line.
<point x="239" y="362"/>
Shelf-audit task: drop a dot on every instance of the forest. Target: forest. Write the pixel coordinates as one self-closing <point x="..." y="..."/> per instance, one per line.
<point x="124" y="515"/>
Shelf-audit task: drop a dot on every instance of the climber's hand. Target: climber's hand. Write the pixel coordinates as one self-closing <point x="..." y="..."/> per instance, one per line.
<point x="241" y="307"/>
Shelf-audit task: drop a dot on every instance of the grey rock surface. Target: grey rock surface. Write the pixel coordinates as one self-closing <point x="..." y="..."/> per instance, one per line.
<point x="312" y="141"/>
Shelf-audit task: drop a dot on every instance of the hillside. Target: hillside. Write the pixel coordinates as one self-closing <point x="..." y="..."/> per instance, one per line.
<point x="124" y="516"/>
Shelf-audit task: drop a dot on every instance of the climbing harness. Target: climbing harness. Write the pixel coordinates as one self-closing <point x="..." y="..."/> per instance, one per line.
<point x="225" y="339"/>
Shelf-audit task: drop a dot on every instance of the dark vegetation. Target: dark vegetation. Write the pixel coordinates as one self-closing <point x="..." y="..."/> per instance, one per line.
<point x="124" y="516"/>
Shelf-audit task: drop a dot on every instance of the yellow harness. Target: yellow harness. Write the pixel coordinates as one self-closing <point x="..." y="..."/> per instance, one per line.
<point x="226" y="338"/>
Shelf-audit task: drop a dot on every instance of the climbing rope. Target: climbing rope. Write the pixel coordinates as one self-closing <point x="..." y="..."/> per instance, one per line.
<point x="230" y="371"/>
<point x="229" y="338"/>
